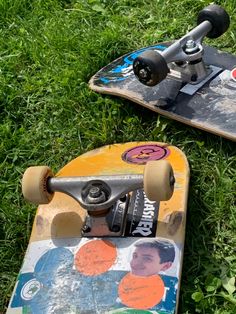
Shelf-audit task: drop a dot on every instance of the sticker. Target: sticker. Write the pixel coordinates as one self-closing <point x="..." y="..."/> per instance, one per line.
<point x="57" y="261"/>
<point x="141" y="292"/>
<point x="233" y="74"/>
<point x="142" y="154"/>
<point x="95" y="257"/>
<point x="121" y="69"/>
<point x="142" y="216"/>
<point x="30" y="289"/>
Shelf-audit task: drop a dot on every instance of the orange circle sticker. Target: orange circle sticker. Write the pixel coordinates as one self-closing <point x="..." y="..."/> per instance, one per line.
<point x="95" y="257"/>
<point x="141" y="292"/>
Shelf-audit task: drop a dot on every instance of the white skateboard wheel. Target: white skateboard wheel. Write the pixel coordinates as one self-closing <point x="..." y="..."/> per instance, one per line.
<point x="34" y="185"/>
<point x="158" y="180"/>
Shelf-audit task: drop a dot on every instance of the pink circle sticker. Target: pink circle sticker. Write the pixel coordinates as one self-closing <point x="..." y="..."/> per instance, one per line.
<point x="144" y="153"/>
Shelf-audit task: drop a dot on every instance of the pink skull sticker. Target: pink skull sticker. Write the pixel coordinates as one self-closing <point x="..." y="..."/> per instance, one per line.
<point x="144" y="153"/>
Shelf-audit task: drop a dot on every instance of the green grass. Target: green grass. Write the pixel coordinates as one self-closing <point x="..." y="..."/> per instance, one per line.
<point x="48" y="51"/>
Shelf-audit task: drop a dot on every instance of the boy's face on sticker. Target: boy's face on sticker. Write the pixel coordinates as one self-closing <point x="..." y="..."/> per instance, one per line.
<point x="146" y="262"/>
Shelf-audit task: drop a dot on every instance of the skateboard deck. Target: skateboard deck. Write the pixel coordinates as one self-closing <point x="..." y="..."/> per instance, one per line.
<point x="64" y="272"/>
<point x="210" y="105"/>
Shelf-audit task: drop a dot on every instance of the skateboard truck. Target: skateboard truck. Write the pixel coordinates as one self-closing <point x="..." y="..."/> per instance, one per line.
<point x="105" y="198"/>
<point x="183" y="59"/>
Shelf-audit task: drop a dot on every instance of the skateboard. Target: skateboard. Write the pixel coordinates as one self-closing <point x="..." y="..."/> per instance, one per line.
<point x="183" y="80"/>
<point x="108" y="235"/>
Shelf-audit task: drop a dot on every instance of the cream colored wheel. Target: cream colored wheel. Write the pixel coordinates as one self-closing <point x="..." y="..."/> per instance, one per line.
<point x="158" y="180"/>
<point x="34" y="185"/>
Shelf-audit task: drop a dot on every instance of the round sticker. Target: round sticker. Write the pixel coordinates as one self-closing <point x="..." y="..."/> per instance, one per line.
<point x="144" y="153"/>
<point x="95" y="257"/>
<point x="30" y="289"/>
<point x="141" y="292"/>
<point x="233" y="74"/>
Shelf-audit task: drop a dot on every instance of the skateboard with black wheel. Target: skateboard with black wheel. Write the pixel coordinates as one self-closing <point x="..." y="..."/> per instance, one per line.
<point x="183" y="80"/>
<point x="108" y="235"/>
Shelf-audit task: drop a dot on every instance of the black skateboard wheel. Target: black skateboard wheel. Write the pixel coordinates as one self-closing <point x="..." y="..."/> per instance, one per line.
<point x="150" y="68"/>
<point x="218" y="17"/>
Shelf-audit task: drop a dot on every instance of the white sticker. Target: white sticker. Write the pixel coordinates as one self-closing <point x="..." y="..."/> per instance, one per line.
<point x="30" y="289"/>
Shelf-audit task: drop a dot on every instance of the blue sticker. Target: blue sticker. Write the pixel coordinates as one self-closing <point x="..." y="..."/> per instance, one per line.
<point x="53" y="264"/>
<point x="124" y="69"/>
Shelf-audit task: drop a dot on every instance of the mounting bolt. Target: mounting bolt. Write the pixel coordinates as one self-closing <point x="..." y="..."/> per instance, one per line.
<point x="86" y="229"/>
<point x="115" y="228"/>
<point x="96" y="195"/>
<point x="190" y="47"/>
<point x="95" y="191"/>
<point x="190" y="43"/>
<point x="194" y="78"/>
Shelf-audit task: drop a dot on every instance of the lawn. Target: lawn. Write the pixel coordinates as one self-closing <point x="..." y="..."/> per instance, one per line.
<point x="48" y="52"/>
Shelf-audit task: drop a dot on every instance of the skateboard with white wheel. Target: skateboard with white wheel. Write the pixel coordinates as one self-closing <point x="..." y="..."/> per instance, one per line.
<point x="108" y="234"/>
<point x="183" y="80"/>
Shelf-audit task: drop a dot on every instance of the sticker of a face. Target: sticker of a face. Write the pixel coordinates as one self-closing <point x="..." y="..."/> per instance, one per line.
<point x="151" y="257"/>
